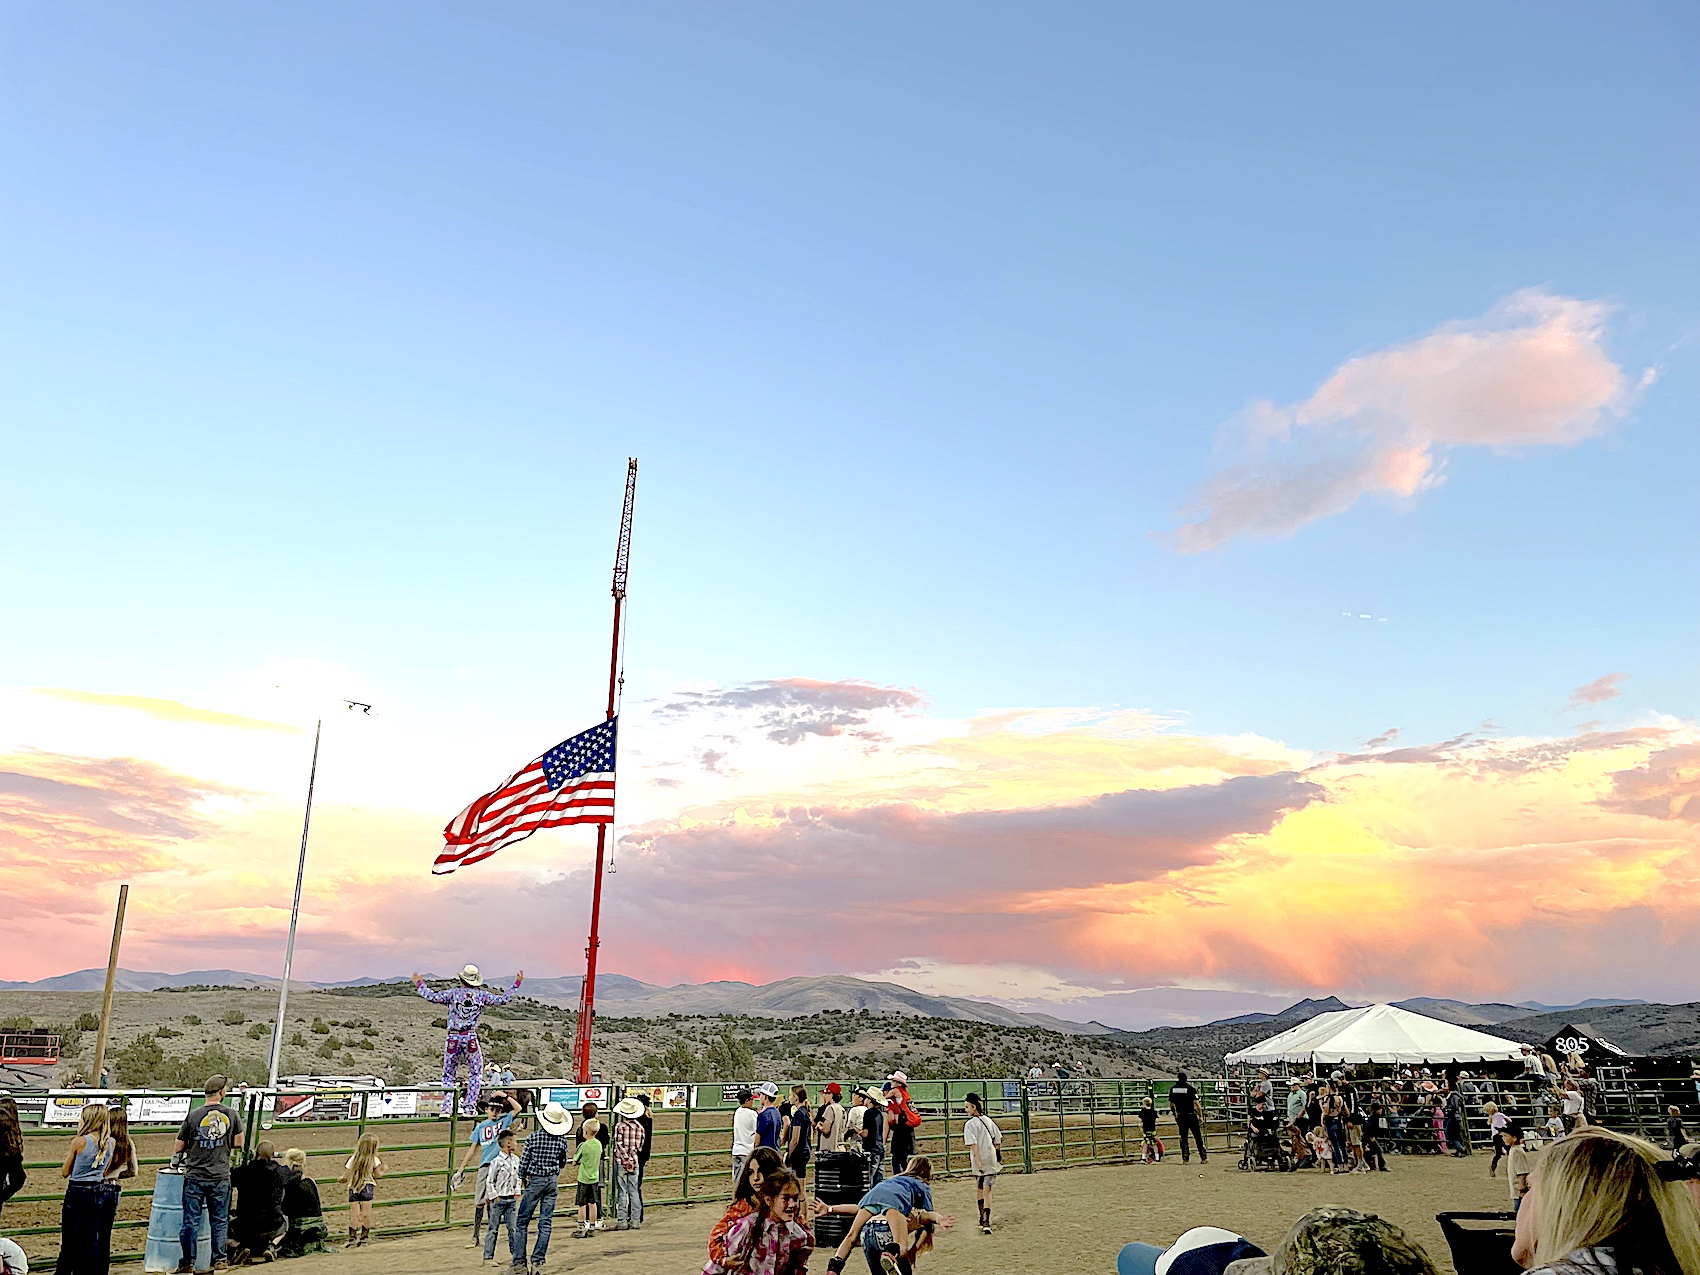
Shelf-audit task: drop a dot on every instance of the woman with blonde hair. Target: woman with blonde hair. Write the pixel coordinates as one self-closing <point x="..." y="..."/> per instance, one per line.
<point x="1600" y="1203"/>
<point x="307" y="1230"/>
<point x="84" y="1169"/>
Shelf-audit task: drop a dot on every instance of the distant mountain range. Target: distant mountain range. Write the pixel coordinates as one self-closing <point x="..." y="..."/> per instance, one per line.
<point x="625" y="997"/>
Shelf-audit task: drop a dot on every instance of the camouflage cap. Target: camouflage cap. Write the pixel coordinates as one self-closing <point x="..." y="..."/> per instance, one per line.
<point x="1337" y="1241"/>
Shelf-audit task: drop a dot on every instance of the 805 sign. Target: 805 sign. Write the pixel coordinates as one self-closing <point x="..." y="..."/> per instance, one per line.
<point x="1572" y="1044"/>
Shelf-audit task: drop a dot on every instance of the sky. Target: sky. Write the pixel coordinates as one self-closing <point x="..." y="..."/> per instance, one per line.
<point x="1140" y="511"/>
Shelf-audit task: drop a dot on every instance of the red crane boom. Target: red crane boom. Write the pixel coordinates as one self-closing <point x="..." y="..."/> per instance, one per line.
<point x="587" y="993"/>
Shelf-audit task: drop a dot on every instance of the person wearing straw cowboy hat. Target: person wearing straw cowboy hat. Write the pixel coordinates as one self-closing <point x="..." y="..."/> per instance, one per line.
<point x="628" y="1146"/>
<point x="545" y="1154"/>
<point x="466" y="1001"/>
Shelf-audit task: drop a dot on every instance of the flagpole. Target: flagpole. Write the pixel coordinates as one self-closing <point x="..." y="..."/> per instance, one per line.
<point x="587" y="991"/>
<point x="295" y="910"/>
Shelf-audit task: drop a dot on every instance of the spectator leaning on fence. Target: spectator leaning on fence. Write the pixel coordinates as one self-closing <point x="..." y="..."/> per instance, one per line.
<point x="205" y="1140"/>
<point x="85" y="1192"/>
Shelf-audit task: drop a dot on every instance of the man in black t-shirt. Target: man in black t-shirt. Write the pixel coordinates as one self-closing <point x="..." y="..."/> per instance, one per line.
<point x="1183" y="1105"/>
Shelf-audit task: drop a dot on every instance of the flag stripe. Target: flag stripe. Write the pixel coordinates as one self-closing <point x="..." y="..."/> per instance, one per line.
<point x="572" y="783"/>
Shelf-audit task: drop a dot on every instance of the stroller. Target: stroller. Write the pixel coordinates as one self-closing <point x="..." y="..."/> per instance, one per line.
<point x="1264" y="1151"/>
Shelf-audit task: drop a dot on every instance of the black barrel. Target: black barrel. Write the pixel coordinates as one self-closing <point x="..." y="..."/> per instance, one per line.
<point x="841" y="1177"/>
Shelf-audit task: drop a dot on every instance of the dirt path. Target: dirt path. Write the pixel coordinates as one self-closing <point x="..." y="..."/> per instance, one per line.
<point x="1069" y="1222"/>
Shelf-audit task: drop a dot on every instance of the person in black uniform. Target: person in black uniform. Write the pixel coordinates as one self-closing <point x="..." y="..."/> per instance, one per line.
<point x="1183" y="1106"/>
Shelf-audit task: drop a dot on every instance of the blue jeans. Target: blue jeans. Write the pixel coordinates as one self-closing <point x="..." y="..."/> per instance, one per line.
<point x="539" y="1198"/>
<point x="876" y="1167"/>
<point x="503" y="1210"/>
<point x="628" y="1197"/>
<point x="214" y="1196"/>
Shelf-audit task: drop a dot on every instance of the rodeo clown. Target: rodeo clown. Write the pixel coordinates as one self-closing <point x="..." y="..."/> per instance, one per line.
<point x="466" y="1006"/>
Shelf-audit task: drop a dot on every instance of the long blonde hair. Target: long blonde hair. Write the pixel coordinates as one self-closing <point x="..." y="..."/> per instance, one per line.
<point x="1602" y="1188"/>
<point x="366" y="1159"/>
<point x="95" y="1127"/>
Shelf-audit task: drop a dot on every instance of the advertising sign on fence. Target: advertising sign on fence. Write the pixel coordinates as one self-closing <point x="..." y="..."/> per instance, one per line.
<point x="665" y="1097"/>
<point x="330" y="1104"/>
<point x="572" y="1097"/>
<point x="393" y="1104"/>
<point x="141" y="1109"/>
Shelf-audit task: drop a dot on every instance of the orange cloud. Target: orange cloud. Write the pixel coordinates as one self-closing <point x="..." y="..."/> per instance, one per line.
<point x="1105" y="850"/>
<point x="165" y="710"/>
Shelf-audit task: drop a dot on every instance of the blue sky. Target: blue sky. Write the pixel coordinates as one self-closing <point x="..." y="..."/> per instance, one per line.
<point x="328" y="329"/>
<point x="323" y="322"/>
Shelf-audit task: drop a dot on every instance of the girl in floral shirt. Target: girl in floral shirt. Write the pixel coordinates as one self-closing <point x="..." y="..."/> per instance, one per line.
<point x="771" y="1240"/>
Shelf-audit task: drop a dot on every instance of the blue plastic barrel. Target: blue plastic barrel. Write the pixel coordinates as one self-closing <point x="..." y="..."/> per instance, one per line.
<point x="165" y="1227"/>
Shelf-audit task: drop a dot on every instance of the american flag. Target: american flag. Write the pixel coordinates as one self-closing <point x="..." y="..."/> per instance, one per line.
<point x="571" y="783"/>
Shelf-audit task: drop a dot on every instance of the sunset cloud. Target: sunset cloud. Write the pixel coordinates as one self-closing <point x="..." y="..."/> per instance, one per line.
<point x="1599" y="690"/>
<point x="165" y="710"/>
<point x="1051" y="849"/>
<point x="1532" y="373"/>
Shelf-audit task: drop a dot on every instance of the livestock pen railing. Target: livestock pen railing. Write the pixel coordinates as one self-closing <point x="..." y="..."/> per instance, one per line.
<point x="1047" y="1124"/>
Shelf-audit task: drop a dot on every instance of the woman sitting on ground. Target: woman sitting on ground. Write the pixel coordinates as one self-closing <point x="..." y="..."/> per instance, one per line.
<point x="307" y="1230"/>
<point x="1600" y="1203"/>
<point x="763" y="1162"/>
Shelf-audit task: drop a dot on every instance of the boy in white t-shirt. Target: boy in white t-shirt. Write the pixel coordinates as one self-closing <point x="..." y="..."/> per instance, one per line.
<point x="984" y="1141"/>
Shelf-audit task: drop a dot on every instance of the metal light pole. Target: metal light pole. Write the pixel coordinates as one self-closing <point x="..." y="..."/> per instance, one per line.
<point x="295" y="910"/>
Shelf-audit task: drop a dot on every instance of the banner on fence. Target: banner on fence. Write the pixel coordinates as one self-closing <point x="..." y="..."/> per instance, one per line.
<point x="572" y="1097"/>
<point x="141" y="1109"/>
<point x="394" y="1104"/>
<point x="666" y="1097"/>
<point x="329" y="1104"/>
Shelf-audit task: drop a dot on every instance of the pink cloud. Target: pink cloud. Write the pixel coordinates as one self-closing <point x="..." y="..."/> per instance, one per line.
<point x="1532" y="373"/>
<point x="1665" y="786"/>
<point x="1599" y="690"/>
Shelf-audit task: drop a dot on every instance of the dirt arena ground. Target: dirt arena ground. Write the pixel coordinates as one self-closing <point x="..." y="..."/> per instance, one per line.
<point x="1063" y="1222"/>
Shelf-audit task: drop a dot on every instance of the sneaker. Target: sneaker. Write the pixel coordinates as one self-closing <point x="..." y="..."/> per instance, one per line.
<point x="985" y="1228"/>
<point x="185" y="1267"/>
<point x="221" y="1264"/>
<point x="888" y="1264"/>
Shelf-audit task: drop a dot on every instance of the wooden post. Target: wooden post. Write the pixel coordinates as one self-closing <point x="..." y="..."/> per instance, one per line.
<point x="106" y="997"/>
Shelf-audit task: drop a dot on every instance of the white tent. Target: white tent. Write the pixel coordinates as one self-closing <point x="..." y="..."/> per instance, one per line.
<point x="1377" y="1034"/>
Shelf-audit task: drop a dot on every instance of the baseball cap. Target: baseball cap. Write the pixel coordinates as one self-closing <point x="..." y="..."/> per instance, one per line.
<point x="1332" y="1239"/>
<point x="1204" y="1250"/>
<point x="768" y="1089"/>
<point x="833" y="1089"/>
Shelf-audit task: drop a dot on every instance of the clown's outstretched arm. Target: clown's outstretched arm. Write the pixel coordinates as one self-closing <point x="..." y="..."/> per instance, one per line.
<point x="436" y="998"/>
<point x="502" y="998"/>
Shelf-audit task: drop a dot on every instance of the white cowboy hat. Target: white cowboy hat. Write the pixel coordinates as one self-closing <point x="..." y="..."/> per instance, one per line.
<point x="630" y="1108"/>
<point x="471" y="977"/>
<point x="555" y="1119"/>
